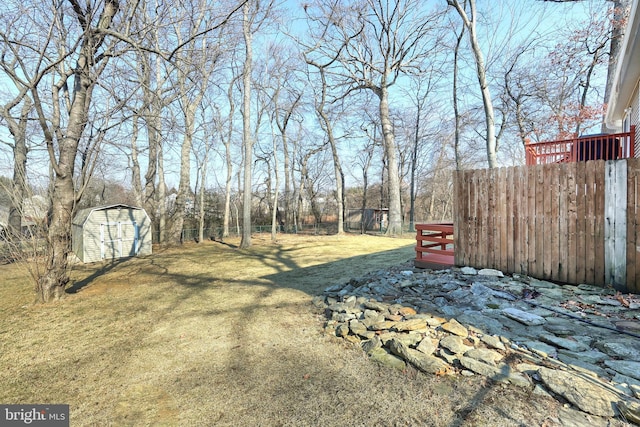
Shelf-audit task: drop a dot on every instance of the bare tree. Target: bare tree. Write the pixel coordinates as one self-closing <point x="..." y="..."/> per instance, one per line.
<point x="195" y="62"/>
<point x="370" y="44"/>
<point x="469" y="20"/>
<point x="327" y="125"/>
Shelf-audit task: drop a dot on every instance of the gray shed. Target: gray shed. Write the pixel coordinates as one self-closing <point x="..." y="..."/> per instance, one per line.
<point x="110" y="232"/>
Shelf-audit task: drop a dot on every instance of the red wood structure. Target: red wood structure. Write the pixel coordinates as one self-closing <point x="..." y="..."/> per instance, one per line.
<point x="434" y="248"/>
<point x="592" y="147"/>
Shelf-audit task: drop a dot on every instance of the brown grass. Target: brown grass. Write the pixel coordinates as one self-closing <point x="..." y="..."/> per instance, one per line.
<point x="212" y="335"/>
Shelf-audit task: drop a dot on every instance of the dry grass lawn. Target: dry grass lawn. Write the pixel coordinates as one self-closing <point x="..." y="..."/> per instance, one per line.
<point x="210" y="335"/>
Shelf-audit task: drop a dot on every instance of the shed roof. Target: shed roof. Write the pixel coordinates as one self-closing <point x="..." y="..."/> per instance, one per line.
<point x="83" y="214"/>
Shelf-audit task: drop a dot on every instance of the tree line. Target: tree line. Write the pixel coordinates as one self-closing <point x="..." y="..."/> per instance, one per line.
<point x="290" y="102"/>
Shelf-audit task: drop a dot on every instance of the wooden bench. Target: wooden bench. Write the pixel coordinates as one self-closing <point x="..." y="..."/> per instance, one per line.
<point x="434" y="248"/>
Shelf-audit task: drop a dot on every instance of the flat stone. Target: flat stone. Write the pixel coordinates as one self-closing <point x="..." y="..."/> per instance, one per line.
<point x="425" y="363"/>
<point x="374" y="305"/>
<point x="492" y="341"/>
<point x="407" y="311"/>
<point x="410" y="340"/>
<point x="342" y="317"/>
<point x="435" y="321"/>
<point x="342" y="330"/>
<point x="497" y="373"/>
<point x="570" y="417"/>
<point x="357" y="327"/>
<point x="410" y="325"/>
<point x="504" y="295"/>
<point x="541" y="349"/>
<point x="586" y="395"/>
<point x="428" y="346"/>
<point x="630" y="411"/>
<point x="560" y="326"/>
<point x="381" y="356"/>
<point x="523" y="317"/>
<point x="381" y="326"/>
<point x="619" y="349"/>
<point x="490" y="357"/>
<point x="623" y="379"/>
<point x="596" y="299"/>
<point x="590" y="356"/>
<point x="625" y="367"/>
<point x="586" y="368"/>
<point x="370" y="345"/>
<point x="468" y="271"/>
<point x="454" y="344"/>
<point x="490" y="272"/>
<point x="527" y="368"/>
<point x="480" y="290"/>
<point x="628" y="326"/>
<point x="456" y="328"/>
<point x="565" y="343"/>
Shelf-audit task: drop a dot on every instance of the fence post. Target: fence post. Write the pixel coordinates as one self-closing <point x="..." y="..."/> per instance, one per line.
<point x="615" y="225"/>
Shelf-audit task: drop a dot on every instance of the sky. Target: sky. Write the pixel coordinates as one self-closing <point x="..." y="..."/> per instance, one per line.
<point x="497" y="21"/>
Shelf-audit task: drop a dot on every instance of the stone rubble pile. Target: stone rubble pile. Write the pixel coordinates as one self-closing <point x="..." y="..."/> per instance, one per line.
<point x="579" y="344"/>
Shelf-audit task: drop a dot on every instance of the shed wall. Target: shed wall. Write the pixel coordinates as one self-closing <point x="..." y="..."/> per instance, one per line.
<point x="103" y="224"/>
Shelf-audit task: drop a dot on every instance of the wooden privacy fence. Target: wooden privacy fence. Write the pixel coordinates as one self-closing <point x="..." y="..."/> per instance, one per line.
<point x="570" y="222"/>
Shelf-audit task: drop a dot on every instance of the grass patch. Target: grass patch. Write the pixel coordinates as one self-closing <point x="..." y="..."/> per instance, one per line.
<point x="208" y="334"/>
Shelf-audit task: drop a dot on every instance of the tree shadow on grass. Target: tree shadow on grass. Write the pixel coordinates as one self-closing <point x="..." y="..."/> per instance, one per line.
<point x="105" y="268"/>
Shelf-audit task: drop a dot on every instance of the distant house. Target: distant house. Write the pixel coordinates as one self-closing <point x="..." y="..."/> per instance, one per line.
<point x="623" y="105"/>
<point x="111" y="232"/>
<point x="34" y="213"/>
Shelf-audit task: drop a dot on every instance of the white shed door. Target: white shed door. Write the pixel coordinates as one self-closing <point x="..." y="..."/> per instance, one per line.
<point x="118" y="239"/>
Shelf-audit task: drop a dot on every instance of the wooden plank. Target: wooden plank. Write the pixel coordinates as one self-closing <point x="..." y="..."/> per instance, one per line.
<point x="551" y="221"/>
<point x="511" y="213"/>
<point x="552" y="256"/>
<point x="457" y="208"/>
<point x="609" y="218"/>
<point x="563" y="218"/>
<point x="581" y="203"/>
<point x="632" y="226"/>
<point x="599" y="206"/>
<point x="502" y="209"/>
<point x="465" y="231"/>
<point x="473" y="220"/>
<point x="590" y="255"/>
<point x="571" y="208"/>
<point x="620" y="254"/>
<point x="491" y="217"/>
<point x="521" y="244"/>
<point x="531" y="220"/>
<point x="540" y="222"/>
<point x="484" y="219"/>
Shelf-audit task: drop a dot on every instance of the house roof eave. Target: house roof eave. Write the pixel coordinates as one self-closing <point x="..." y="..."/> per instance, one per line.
<point x="627" y="72"/>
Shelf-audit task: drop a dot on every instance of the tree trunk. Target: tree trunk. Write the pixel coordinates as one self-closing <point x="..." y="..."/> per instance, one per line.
<point x="184" y="187"/>
<point x="161" y="198"/>
<point x="19" y="183"/>
<point x="393" y="181"/>
<point x="247" y="140"/>
<point x="481" y="74"/>
<point x="136" y="183"/>
<point x="51" y="284"/>
<point x="229" y="164"/>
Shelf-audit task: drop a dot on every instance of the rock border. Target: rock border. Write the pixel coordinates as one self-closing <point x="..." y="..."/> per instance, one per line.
<point x="395" y="334"/>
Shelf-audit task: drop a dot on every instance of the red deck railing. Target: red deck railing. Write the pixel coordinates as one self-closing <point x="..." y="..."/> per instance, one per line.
<point x="434" y="247"/>
<point x="594" y="147"/>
